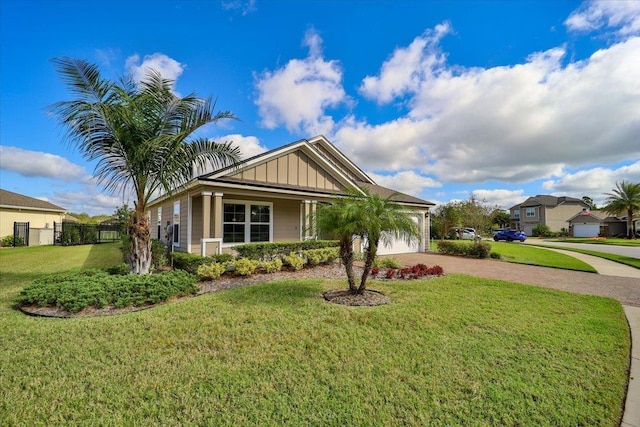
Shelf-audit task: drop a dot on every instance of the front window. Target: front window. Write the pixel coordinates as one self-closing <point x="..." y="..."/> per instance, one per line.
<point x="176" y="222"/>
<point x="246" y="222"/>
<point x="516" y="213"/>
<point x="159" y="223"/>
<point x="531" y="212"/>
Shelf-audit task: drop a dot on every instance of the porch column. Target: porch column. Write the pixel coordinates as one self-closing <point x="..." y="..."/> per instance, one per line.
<point x="206" y="214"/>
<point x="306" y="210"/>
<point x="217" y="215"/>
<point x="312" y="224"/>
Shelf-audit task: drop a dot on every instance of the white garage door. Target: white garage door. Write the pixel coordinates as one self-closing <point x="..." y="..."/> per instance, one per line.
<point x="586" y="230"/>
<point x="399" y="246"/>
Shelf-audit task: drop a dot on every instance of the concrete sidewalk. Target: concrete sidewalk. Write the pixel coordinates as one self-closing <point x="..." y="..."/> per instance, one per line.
<point x="602" y="266"/>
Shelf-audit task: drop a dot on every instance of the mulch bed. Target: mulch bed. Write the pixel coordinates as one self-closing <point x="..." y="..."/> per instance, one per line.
<point x="332" y="271"/>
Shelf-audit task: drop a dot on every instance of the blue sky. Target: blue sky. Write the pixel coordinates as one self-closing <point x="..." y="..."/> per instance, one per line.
<point x="438" y="99"/>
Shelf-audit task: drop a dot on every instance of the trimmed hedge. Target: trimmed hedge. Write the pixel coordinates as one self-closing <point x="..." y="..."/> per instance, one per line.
<point x="191" y="262"/>
<point x="271" y="251"/>
<point x="76" y="291"/>
<point x="475" y="249"/>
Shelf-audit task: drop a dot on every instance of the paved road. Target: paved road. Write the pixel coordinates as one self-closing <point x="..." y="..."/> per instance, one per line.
<point x="630" y="251"/>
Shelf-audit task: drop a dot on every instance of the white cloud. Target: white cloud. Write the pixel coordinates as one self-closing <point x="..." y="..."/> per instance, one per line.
<point x="244" y="6"/>
<point x="89" y="200"/>
<point x="407" y="67"/>
<point x="408" y="182"/>
<point x="592" y="182"/>
<point x="502" y="198"/>
<point x="514" y="123"/>
<point x="298" y="94"/>
<point x="623" y="16"/>
<point x="168" y="67"/>
<point x="249" y="145"/>
<point x="38" y="164"/>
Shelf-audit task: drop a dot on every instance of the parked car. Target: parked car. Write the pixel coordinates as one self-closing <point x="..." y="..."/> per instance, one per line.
<point x="510" y="235"/>
<point x="464" y="233"/>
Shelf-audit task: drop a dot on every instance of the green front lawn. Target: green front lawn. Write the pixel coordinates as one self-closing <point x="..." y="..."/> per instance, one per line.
<point x="455" y="350"/>
<point x="608" y="241"/>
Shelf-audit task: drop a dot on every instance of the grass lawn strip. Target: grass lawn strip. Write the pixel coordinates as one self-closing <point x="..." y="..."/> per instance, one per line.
<point x="600" y="241"/>
<point x="455" y="350"/>
<point x="527" y="254"/>
<point x="632" y="262"/>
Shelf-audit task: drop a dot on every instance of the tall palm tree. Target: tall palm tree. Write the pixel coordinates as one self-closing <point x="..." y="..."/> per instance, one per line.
<point x="624" y="198"/>
<point x="142" y="138"/>
<point x="369" y="216"/>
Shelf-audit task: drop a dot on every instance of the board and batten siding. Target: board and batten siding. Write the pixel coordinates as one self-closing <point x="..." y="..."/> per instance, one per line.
<point x="286" y="220"/>
<point x="295" y="168"/>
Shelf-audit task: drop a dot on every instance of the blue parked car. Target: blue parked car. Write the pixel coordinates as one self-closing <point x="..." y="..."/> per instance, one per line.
<point x="510" y="235"/>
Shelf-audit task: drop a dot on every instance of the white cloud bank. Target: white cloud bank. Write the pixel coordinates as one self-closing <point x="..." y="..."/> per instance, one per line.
<point x="33" y="164"/>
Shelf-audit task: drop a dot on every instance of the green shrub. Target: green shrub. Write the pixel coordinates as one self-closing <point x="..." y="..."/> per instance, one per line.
<point x="272" y="250"/>
<point x="272" y="266"/>
<point x="158" y="255"/>
<point x="386" y="263"/>
<point x="9" y="241"/>
<point x="320" y="256"/>
<point x="244" y="266"/>
<point x="495" y="255"/>
<point x="119" y="270"/>
<point x="223" y="258"/>
<point x="211" y="271"/>
<point x="475" y="249"/>
<point x="541" y="230"/>
<point x="294" y="261"/>
<point x="188" y="262"/>
<point x="76" y="291"/>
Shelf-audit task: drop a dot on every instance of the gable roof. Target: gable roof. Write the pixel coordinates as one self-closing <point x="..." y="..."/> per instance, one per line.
<point x="303" y="167"/>
<point x="549" y="201"/>
<point x="9" y="199"/>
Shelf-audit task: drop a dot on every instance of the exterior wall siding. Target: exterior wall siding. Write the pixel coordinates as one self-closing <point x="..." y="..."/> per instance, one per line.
<point x="295" y="168"/>
<point x="286" y="220"/>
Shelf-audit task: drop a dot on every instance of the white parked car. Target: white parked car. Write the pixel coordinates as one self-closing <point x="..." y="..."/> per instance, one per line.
<point x="465" y="233"/>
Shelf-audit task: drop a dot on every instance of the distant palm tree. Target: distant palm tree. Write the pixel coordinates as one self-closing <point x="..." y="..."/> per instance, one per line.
<point x="624" y="198"/>
<point x="369" y="216"/>
<point x="142" y="137"/>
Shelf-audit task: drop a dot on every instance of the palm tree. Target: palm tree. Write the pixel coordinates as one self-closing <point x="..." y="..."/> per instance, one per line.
<point x="381" y="221"/>
<point x="624" y="198"/>
<point x="142" y="138"/>
<point x="369" y="216"/>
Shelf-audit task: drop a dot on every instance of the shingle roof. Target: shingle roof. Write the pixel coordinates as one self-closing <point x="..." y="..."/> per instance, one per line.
<point x="546" y="200"/>
<point x="9" y="199"/>
<point x="398" y="197"/>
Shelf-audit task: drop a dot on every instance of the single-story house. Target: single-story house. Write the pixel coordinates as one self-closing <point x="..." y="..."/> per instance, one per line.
<point x="594" y="223"/>
<point x="268" y="198"/>
<point x="41" y="215"/>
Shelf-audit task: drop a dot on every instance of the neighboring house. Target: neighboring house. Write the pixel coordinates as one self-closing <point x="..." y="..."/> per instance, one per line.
<point x="268" y="198"/>
<point x="543" y="209"/>
<point x="594" y="223"/>
<point x="41" y="215"/>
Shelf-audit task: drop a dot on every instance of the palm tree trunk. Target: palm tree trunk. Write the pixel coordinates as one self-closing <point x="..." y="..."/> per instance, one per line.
<point x="346" y="255"/>
<point x="139" y="243"/>
<point x="372" y="250"/>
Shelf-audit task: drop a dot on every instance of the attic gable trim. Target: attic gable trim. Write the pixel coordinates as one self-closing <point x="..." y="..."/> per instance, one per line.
<point x="354" y="168"/>
<point x="269" y="155"/>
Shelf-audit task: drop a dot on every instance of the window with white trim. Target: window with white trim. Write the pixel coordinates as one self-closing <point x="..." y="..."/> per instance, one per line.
<point x="531" y="212"/>
<point x="159" y="223"/>
<point x="176" y="223"/>
<point x="516" y="213"/>
<point x="245" y="222"/>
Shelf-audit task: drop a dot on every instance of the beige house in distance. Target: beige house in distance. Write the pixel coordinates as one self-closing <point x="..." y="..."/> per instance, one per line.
<point x="543" y="209"/>
<point x="39" y="214"/>
<point x="268" y="198"/>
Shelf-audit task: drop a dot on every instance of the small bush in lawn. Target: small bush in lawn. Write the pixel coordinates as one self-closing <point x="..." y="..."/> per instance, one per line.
<point x="272" y="266"/>
<point x="375" y="271"/>
<point x="9" y="241"/>
<point x="495" y="255"/>
<point x="391" y="273"/>
<point x="76" y="291"/>
<point x="320" y="256"/>
<point x="211" y="271"/>
<point x="479" y="250"/>
<point x="475" y="249"/>
<point x="436" y="270"/>
<point x="244" y="266"/>
<point x="294" y="261"/>
<point x="188" y="262"/>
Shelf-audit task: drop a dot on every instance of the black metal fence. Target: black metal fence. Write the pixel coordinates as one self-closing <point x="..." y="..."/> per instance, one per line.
<point x="70" y="234"/>
<point x="20" y="234"/>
